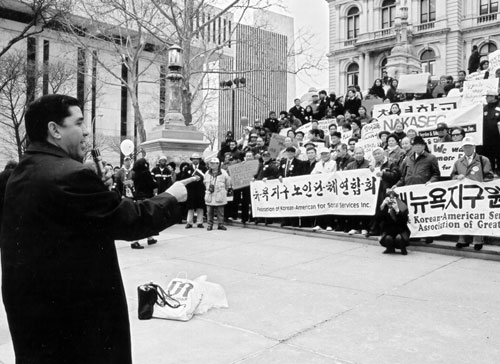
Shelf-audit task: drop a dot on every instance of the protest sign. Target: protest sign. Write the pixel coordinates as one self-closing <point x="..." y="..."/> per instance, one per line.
<point x="341" y="193"/>
<point x="242" y="173"/>
<point x="474" y="91"/>
<point x="413" y="83"/>
<point x="475" y="76"/>
<point x="368" y="146"/>
<point x="284" y="131"/>
<point x="346" y="135"/>
<point x="322" y="125"/>
<point x="419" y="106"/>
<point x="276" y="144"/>
<point x="470" y="118"/>
<point x="371" y="130"/>
<point x="369" y="104"/>
<point x="494" y="60"/>
<point x="446" y="154"/>
<point x="454" y="207"/>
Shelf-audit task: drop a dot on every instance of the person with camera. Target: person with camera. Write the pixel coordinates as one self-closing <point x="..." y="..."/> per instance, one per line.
<point x="394" y="224"/>
<point x="217" y="183"/>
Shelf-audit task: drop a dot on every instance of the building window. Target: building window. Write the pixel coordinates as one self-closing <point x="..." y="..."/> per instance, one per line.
<point x="383" y="67"/>
<point x="388" y="13"/>
<point x="428" y="61"/>
<point x="486" y="49"/>
<point x="488" y="7"/>
<point x="427" y="11"/>
<point x="352" y="23"/>
<point x="352" y="74"/>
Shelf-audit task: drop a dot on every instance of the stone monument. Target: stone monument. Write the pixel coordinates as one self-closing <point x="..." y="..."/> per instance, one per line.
<point x="403" y="59"/>
<point x="174" y="139"/>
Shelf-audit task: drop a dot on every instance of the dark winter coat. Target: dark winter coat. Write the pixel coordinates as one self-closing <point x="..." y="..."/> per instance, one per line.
<point x="61" y="282"/>
<point x="267" y="170"/>
<point x="417" y="171"/>
<point x="195" y="190"/>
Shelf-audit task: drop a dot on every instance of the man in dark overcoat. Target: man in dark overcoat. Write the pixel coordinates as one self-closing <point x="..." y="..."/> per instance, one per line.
<point x="61" y="282"/>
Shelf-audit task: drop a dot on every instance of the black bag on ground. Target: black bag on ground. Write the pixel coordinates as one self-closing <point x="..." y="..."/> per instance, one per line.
<point x="147" y="298"/>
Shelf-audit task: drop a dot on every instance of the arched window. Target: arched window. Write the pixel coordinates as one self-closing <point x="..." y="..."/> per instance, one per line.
<point x="427" y="11"/>
<point x="428" y="61"/>
<point x="486" y="49"/>
<point x="488" y="7"/>
<point x="352" y="74"/>
<point x="352" y="23"/>
<point x="383" y="67"/>
<point x="388" y="13"/>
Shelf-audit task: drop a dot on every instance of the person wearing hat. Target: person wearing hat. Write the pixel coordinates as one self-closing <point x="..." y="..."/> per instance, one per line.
<point x="491" y="134"/>
<point x="290" y="166"/>
<point x="164" y="174"/>
<point x="383" y="138"/>
<point x="443" y="135"/>
<point x="267" y="170"/>
<point x="393" y="218"/>
<point x="196" y="192"/>
<point x="475" y="167"/>
<point x="419" y="167"/>
<point x="324" y="166"/>
<point x="217" y="183"/>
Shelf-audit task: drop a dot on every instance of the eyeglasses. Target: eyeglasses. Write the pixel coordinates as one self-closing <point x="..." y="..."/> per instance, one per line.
<point x="454" y="135"/>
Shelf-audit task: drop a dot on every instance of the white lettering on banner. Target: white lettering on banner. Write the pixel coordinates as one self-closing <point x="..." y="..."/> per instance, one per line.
<point x="419" y="106"/>
<point x="468" y="117"/>
<point x="242" y="173"/>
<point x="494" y="60"/>
<point x="341" y="193"/>
<point x="474" y="91"/>
<point x="455" y="207"/>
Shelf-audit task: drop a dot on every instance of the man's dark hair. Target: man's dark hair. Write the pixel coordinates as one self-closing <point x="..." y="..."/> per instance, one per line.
<point x="337" y="134"/>
<point x="343" y="146"/>
<point x="299" y="132"/>
<point x="311" y="148"/>
<point x="353" y="139"/>
<point x="10" y="165"/>
<point x="323" y="92"/>
<point x="44" y="110"/>
<point x="314" y="121"/>
<point x="290" y="149"/>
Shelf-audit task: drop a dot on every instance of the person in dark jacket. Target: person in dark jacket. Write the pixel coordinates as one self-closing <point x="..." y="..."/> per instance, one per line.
<point x="298" y="111"/>
<point x="392" y="94"/>
<point x="377" y="89"/>
<point x="271" y="124"/>
<point x="394" y="224"/>
<point x="420" y="167"/>
<point x="61" y="282"/>
<point x="196" y="192"/>
<point x="4" y="177"/>
<point x="145" y="187"/>
<point x="491" y="132"/>
<point x="352" y="103"/>
<point x="164" y="174"/>
<point x="474" y="60"/>
<point x="343" y="157"/>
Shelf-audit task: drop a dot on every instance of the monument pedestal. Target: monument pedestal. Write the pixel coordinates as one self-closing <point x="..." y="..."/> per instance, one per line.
<point x="402" y="61"/>
<point x="176" y="142"/>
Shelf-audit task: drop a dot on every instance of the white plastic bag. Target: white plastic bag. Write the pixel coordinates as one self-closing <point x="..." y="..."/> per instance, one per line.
<point x="183" y="291"/>
<point x="213" y="295"/>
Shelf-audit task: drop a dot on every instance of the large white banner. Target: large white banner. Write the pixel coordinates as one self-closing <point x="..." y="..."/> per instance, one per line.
<point x="339" y="193"/>
<point x="470" y="118"/>
<point x="419" y="106"/>
<point x="453" y="208"/>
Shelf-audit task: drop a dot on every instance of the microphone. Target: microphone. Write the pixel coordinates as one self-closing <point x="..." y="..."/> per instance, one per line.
<point x="96" y="156"/>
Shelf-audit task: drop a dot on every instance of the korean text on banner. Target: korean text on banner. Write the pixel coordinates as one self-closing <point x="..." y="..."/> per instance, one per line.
<point x="475" y="91"/>
<point x="242" y="173"/>
<point x="420" y="106"/>
<point x="414" y="83"/>
<point x="470" y="118"/>
<point x="341" y="193"/>
<point x="455" y="207"/>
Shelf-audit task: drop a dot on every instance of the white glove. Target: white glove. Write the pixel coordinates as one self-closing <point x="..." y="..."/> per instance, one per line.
<point x="179" y="191"/>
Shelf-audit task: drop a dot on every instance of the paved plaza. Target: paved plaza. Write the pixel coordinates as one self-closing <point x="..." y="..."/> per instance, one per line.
<point x="311" y="300"/>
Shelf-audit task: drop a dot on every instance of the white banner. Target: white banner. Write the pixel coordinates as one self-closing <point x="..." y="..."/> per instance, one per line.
<point x="413" y="83"/>
<point x="368" y="146"/>
<point x="474" y="91"/>
<point x="322" y="125"/>
<point x="371" y="130"/>
<point x="339" y="193"/>
<point x="419" y="106"/>
<point x="345" y="136"/>
<point x="453" y="208"/>
<point x="470" y="118"/>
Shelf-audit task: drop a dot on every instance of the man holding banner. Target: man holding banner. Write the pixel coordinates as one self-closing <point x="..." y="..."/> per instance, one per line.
<point x="491" y="133"/>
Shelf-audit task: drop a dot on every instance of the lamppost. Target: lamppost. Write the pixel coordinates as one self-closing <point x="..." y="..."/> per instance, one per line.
<point x="173" y="115"/>
<point x="238" y="82"/>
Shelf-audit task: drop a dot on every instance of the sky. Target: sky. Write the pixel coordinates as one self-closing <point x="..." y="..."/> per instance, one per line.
<point x="311" y="16"/>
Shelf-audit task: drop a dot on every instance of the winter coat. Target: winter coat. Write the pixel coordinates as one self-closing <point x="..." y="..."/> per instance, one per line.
<point x="479" y="170"/>
<point x="221" y="183"/>
<point x="491" y="135"/>
<point x="267" y="170"/>
<point x="352" y="105"/>
<point x="420" y="170"/>
<point x="61" y="281"/>
<point x="395" y="154"/>
<point x="195" y="190"/>
<point x="357" y="165"/>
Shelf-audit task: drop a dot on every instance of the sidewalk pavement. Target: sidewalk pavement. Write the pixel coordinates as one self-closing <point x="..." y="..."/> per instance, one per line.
<point x="295" y="299"/>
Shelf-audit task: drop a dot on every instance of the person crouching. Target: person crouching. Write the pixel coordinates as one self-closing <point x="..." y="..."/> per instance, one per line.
<point x="394" y="224"/>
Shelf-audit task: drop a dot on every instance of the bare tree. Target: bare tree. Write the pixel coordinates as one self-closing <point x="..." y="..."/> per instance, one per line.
<point x="210" y="132"/>
<point x="40" y="14"/>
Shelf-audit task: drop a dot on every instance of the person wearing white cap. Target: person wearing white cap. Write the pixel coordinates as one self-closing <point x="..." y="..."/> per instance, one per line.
<point x="164" y="174"/>
<point x="323" y="166"/>
<point x="217" y="183"/>
<point x="475" y="167"/>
